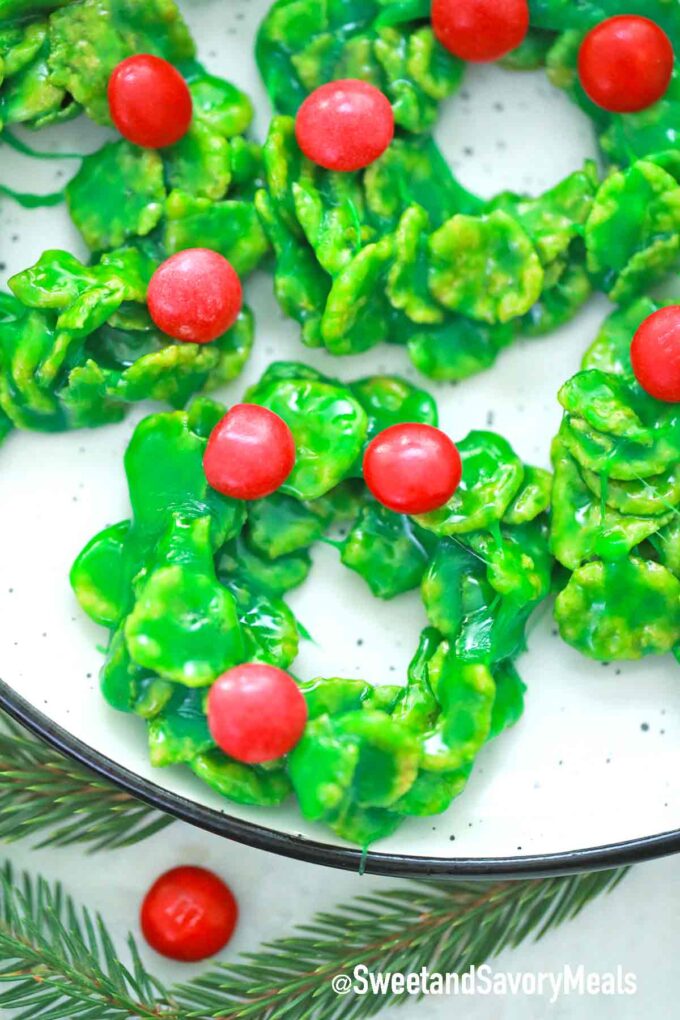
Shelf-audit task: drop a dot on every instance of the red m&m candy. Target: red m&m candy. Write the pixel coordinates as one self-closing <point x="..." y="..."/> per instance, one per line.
<point x="345" y="125"/>
<point x="149" y="101"/>
<point x="480" y="30"/>
<point x="250" y="453"/>
<point x="188" y="914"/>
<point x="195" y="296"/>
<point x="625" y="63"/>
<point x="655" y="354"/>
<point x="256" y="713"/>
<point x="412" y="468"/>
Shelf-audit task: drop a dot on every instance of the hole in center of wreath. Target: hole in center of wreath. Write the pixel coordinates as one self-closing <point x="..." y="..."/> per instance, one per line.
<point x="353" y="633"/>
<point x="513" y="131"/>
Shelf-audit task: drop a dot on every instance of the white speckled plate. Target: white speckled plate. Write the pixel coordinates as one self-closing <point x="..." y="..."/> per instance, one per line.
<point x="588" y="777"/>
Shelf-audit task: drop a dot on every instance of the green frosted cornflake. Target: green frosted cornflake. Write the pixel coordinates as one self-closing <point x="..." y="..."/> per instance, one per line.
<point x="329" y="427"/>
<point x="492" y="476"/>
<point x="117" y="194"/>
<point x="355" y="317"/>
<point x="604" y="401"/>
<point x="88" y="39"/>
<point x="331" y="220"/>
<point x="610" y="351"/>
<point x="532" y="499"/>
<point x="184" y="625"/>
<point x="390" y="400"/>
<point x="622" y="610"/>
<point x="231" y="228"/>
<point x="199" y="163"/>
<point x="243" y="784"/>
<point x="633" y="232"/>
<point x="407" y="287"/>
<point x="387" y="550"/>
<point x="583" y="526"/>
<point x="221" y="106"/>
<point x="485" y="267"/>
<point x="458" y="348"/>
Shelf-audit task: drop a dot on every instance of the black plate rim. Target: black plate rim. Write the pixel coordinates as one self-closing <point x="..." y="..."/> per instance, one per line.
<point x="347" y="858"/>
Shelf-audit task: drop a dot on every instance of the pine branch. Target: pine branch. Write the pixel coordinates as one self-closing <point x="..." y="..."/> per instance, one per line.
<point x="447" y="927"/>
<point x="59" y="962"/>
<point x="43" y="792"/>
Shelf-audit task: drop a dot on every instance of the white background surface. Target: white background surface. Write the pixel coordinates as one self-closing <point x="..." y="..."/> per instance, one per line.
<point x="594" y="758"/>
<point x="635" y="926"/>
<point x="501" y="132"/>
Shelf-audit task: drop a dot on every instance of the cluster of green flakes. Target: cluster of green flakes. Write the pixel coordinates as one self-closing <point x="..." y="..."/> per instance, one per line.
<point x="616" y="504"/>
<point x="401" y="252"/>
<point x="77" y="344"/>
<point x="194" y="584"/>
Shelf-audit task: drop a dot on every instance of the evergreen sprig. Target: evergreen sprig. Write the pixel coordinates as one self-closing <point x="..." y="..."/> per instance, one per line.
<point x="41" y="792"/>
<point x="60" y="962"/>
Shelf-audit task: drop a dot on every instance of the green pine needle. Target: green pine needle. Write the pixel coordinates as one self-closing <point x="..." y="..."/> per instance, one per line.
<point x="445" y="926"/>
<point x="44" y="794"/>
<point x="60" y="962"/>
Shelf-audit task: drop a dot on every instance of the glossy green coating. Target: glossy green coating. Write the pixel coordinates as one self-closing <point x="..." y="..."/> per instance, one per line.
<point x="329" y="427"/>
<point x="77" y="344"/>
<point x="402" y="253"/>
<point x="632" y="234"/>
<point x="616" y="503"/>
<point x="58" y="64"/>
<point x="301" y="45"/>
<point x="194" y="583"/>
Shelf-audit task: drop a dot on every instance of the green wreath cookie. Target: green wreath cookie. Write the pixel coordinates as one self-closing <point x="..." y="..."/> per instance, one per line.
<point x="195" y="583"/>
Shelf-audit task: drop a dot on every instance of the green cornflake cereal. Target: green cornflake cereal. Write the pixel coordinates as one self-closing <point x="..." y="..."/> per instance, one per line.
<point x="387" y="550"/>
<point x="485" y="267"/>
<point x="231" y="228"/>
<point x="458" y="348"/>
<point x="329" y="427"/>
<point x="89" y="38"/>
<point x="244" y="784"/>
<point x="299" y="47"/>
<point x="492" y="477"/>
<point x="633" y="232"/>
<point x="117" y="194"/>
<point x="195" y="582"/>
<point x="390" y="400"/>
<point x="78" y="344"/>
<point x="620" y="610"/>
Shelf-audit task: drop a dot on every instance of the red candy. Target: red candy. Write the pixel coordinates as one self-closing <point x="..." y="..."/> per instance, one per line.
<point x="412" y="468"/>
<point x="188" y="914"/>
<point x="655" y="354"/>
<point x="480" y="30"/>
<point x="195" y="296"/>
<point x="345" y="125"/>
<point x="625" y="64"/>
<point x="256" y="713"/>
<point x="250" y="453"/>
<point x="149" y="101"/>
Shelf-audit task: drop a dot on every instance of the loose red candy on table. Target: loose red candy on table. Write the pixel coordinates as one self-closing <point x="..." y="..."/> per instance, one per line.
<point x="149" y="101"/>
<point x="188" y="914"/>
<point x="256" y="713"/>
<point x="412" y="468"/>
<point x="195" y="296"/>
<point x="655" y="354"/>
<point x="480" y="30"/>
<point x="345" y="125"/>
<point x="250" y="453"/>
<point x="625" y="64"/>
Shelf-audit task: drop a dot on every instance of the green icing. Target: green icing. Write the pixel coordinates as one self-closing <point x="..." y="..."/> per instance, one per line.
<point x="616" y="504"/>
